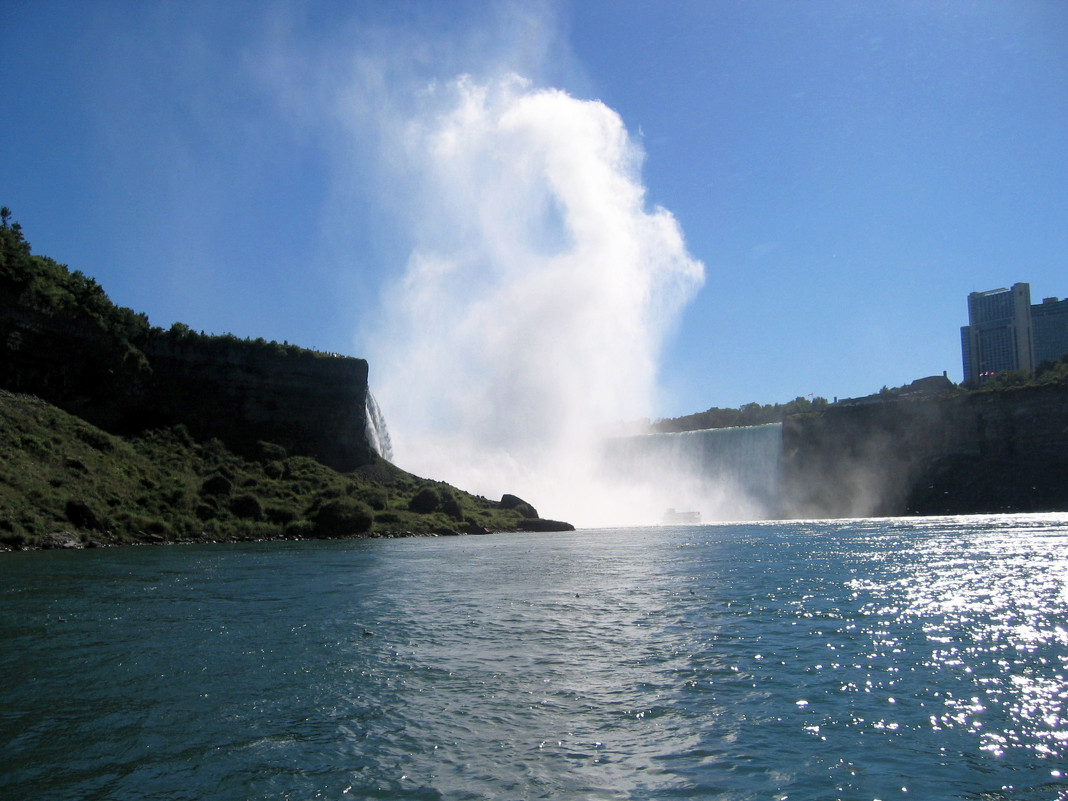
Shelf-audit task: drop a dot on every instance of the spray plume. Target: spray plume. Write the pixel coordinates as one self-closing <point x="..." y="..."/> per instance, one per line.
<point x="534" y="305"/>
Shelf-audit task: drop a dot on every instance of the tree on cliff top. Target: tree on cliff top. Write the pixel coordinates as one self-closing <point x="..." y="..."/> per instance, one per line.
<point x="43" y="283"/>
<point x="750" y="414"/>
<point x="14" y="249"/>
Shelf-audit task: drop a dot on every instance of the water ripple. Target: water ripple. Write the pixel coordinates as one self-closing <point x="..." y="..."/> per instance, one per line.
<point x="813" y="660"/>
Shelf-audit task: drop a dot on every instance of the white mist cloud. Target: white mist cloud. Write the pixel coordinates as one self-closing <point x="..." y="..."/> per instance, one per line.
<point x="532" y="288"/>
<point x="536" y="300"/>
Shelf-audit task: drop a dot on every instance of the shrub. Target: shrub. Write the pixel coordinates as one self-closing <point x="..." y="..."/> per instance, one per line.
<point x="271" y="452"/>
<point x="175" y="497"/>
<point x="251" y="530"/>
<point x="216" y="485"/>
<point x="247" y="506"/>
<point x="343" y="517"/>
<point x="376" y="498"/>
<point x="34" y="444"/>
<point x="95" y="438"/>
<point x="15" y="541"/>
<point x="80" y="514"/>
<point x="425" y="501"/>
<point x="182" y="436"/>
<point x="186" y="527"/>
<point x="451" y="507"/>
<point x="279" y="514"/>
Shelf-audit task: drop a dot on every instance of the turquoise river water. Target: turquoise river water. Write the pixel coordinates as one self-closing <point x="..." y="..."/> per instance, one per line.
<point x="871" y="659"/>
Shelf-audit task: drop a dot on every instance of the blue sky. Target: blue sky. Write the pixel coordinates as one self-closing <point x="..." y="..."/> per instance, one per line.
<point x="845" y="172"/>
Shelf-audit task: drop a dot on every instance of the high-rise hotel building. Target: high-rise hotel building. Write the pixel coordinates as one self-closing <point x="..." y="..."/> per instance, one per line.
<point x="1005" y="332"/>
<point x="1050" y="321"/>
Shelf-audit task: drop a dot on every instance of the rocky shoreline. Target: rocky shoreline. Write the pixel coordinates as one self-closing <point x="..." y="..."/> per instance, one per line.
<point x="72" y="540"/>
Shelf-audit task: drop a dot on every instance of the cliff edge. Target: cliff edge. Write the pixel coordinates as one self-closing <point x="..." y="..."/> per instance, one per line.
<point x="62" y="340"/>
<point x="1002" y="450"/>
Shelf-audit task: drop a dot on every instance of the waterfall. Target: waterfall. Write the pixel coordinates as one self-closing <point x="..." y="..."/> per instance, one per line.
<point x="377" y="433"/>
<point x="723" y="473"/>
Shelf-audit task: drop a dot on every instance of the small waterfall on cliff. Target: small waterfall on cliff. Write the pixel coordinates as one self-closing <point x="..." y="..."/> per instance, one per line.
<point x="722" y="473"/>
<point x="377" y="433"/>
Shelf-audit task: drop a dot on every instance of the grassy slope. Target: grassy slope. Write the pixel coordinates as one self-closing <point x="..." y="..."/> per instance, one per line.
<point x="58" y="474"/>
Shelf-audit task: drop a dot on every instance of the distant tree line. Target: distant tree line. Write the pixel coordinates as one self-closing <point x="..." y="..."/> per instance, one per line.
<point x="46" y="285"/>
<point x="751" y="414"/>
<point x="219" y="344"/>
<point x="1047" y="372"/>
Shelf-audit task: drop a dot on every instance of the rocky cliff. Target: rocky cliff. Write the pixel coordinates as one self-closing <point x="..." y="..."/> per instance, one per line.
<point x="967" y="452"/>
<point x="239" y="391"/>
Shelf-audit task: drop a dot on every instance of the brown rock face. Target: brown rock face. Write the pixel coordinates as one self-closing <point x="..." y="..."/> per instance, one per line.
<point x="969" y="453"/>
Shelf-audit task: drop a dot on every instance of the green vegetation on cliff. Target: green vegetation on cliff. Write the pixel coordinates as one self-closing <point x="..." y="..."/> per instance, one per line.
<point x="46" y="286"/>
<point x="64" y="482"/>
<point x="751" y="414"/>
<point x="1049" y="372"/>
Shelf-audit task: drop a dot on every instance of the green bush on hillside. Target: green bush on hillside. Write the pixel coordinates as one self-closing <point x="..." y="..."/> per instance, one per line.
<point x="425" y="501"/>
<point x="343" y="517"/>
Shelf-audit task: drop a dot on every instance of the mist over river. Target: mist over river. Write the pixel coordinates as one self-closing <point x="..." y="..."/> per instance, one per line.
<point x="863" y="659"/>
